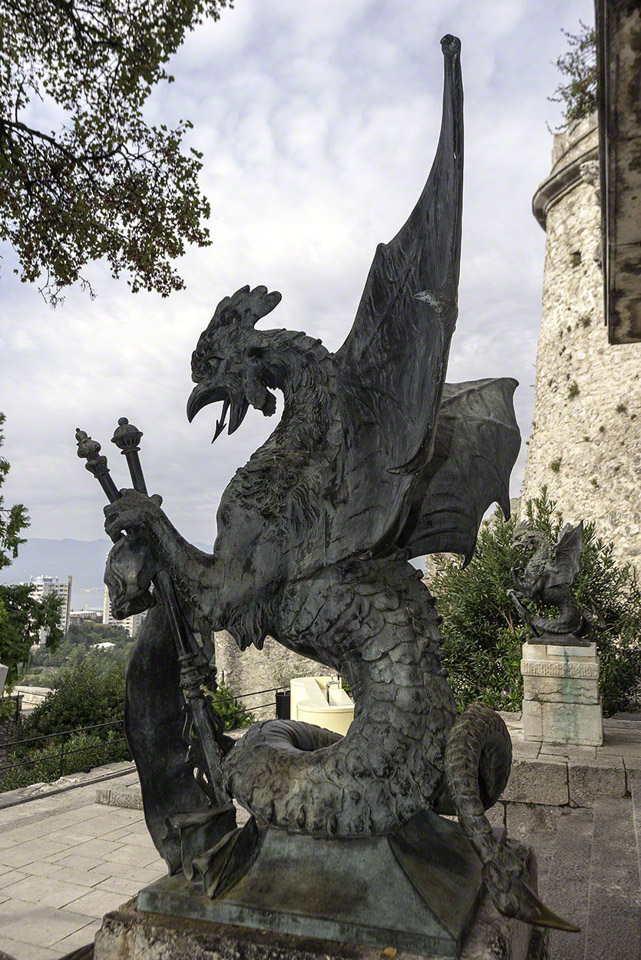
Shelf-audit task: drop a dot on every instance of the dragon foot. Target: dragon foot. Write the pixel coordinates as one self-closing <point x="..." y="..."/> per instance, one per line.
<point x="477" y="766"/>
<point x="504" y="876"/>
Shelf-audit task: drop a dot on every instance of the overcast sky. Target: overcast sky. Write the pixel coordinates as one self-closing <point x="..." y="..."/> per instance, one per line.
<point x="318" y="123"/>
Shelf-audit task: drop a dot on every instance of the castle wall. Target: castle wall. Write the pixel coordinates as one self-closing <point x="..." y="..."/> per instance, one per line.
<point x="586" y="432"/>
<point x="252" y="670"/>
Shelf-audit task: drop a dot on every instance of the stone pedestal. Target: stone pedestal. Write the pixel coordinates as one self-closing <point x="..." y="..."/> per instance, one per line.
<point x="561" y="700"/>
<point x="314" y="899"/>
<point x="131" y="934"/>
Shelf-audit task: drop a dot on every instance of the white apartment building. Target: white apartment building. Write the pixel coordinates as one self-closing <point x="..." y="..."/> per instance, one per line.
<point x="77" y="616"/>
<point x="132" y="624"/>
<point x="44" y="586"/>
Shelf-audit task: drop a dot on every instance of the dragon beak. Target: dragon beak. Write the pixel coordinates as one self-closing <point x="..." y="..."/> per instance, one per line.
<point x="203" y="394"/>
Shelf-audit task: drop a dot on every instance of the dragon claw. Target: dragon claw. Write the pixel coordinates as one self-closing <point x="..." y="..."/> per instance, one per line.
<point x="512" y="895"/>
<point x="533" y="910"/>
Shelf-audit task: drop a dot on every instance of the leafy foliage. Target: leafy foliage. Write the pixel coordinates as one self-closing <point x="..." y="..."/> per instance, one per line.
<point x="47" y="664"/>
<point x="12" y="519"/>
<point x="47" y="761"/>
<point x="482" y="634"/>
<point x="90" y="692"/>
<point x="104" y="183"/>
<point x="229" y="708"/>
<point x="21" y="619"/>
<point x="578" y="64"/>
<point x="21" y="616"/>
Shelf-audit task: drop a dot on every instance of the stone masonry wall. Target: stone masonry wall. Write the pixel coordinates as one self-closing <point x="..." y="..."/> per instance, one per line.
<point x="251" y="670"/>
<point x="586" y="431"/>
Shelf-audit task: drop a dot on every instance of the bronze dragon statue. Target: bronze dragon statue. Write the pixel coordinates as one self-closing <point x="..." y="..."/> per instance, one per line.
<point x="375" y="460"/>
<point x="547" y="578"/>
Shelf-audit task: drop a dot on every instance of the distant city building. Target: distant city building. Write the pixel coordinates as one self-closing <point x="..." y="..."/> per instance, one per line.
<point x="132" y="624"/>
<point x="77" y="616"/>
<point x="45" y="586"/>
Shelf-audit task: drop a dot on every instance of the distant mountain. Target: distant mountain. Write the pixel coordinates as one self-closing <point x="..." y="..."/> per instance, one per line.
<point x="83" y="559"/>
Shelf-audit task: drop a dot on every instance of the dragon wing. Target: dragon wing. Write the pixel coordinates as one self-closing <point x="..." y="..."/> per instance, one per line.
<point x="391" y="368"/>
<point x="567" y="557"/>
<point x="476" y="445"/>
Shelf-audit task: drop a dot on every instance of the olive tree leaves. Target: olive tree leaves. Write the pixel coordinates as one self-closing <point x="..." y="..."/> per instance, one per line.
<point x="103" y="183"/>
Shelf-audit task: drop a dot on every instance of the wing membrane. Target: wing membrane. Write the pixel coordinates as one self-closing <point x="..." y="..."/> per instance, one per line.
<point x="391" y="368"/>
<point x="477" y="442"/>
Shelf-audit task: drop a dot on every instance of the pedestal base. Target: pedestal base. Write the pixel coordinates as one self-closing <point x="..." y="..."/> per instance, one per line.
<point x="131" y="934"/>
<point x="418" y="891"/>
<point x="561" y="701"/>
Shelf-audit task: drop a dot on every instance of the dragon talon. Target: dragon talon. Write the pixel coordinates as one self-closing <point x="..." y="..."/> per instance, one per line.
<point x="536" y="912"/>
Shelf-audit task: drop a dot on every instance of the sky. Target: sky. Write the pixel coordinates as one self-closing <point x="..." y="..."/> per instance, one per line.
<point x="318" y="123"/>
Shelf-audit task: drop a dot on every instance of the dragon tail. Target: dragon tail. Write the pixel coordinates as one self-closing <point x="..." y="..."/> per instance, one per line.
<point x="478" y="760"/>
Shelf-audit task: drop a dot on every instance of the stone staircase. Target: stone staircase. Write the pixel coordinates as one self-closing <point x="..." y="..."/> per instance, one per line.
<point x="590" y="873"/>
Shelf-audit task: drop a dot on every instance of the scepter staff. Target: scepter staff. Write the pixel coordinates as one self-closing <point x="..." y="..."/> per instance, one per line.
<point x="205" y="751"/>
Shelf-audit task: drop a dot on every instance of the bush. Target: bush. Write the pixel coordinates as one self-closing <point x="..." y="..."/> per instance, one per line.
<point x="229" y="708"/>
<point x="89" y="693"/>
<point x="482" y="634"/>
<point x="81" y="752"/>
<point x="579" y="65"/>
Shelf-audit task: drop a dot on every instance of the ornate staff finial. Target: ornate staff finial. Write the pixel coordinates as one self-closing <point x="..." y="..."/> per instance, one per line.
<point x="127" y="438"/>
<point x="96" y="464"/>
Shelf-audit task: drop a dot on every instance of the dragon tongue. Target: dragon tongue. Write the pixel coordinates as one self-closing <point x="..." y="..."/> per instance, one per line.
<point x="220" y="424"/>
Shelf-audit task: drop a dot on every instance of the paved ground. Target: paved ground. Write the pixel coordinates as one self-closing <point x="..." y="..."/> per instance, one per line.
<point x="64" y="861"/>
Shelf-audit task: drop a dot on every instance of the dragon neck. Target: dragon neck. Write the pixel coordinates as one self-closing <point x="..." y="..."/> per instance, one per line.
<point x="304" y="371"/>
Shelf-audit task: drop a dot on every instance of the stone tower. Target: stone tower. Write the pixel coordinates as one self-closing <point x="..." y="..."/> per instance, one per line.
<point x="586" y="430"/>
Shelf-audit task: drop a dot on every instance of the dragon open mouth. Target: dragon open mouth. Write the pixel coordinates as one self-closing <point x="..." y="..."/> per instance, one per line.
<point x="204" y="393"/>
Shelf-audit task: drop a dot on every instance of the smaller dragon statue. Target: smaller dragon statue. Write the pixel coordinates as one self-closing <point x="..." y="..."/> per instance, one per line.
<point x="547" y="578"/>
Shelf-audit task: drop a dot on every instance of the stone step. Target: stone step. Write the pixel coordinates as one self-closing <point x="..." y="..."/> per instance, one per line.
<point x="566" y="888"/>
<point x="614" y="911"/>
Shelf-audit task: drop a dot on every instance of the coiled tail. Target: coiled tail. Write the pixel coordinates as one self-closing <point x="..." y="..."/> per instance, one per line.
<point x="478" y="759"/>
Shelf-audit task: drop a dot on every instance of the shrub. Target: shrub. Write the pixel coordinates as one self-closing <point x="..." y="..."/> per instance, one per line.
<point x="229" y="708"/>
<point x="91" y="692"/>
<point x="81" y="752"/>
<point x="482" y="634"/>
<point x="579" y="66"/>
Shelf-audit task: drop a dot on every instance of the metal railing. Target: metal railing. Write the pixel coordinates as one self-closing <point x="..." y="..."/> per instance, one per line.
<point x="62" y="753"/>
<point x="255" y="693"/>
<point x="64" y="736"/>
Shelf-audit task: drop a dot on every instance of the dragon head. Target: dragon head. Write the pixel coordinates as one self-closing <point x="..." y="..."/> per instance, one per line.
<point x="230" y="360"/>
<point x="525" y="538"/>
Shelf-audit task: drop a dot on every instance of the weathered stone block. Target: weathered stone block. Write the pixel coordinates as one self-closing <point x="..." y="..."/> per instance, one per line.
<point x="579" y="723"/>
<point x="130" y="934"/>
<point x="561" y="702"/>
<point x="532" y="721"/>
<point x="561" y="689"/>
<point x="568" y="652"/>
<point x="536" y="781"/>
<point x="600" y="776"/>
<point x="524" y="819"/>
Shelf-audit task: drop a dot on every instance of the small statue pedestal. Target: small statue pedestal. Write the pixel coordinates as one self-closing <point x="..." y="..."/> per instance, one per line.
<point x="561" y="700"/>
